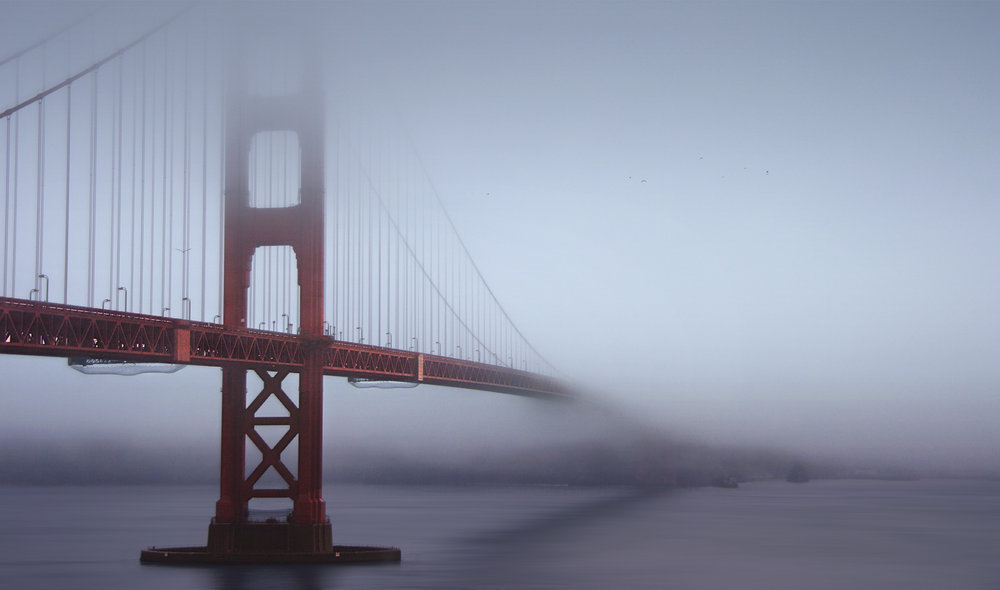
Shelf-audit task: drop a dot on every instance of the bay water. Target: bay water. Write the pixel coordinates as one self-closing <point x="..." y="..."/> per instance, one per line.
<point x="855" y="534"/>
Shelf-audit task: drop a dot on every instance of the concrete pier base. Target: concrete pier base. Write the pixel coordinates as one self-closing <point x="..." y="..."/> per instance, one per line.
<point x="269" y="543"/>
<point x="339" y="554"/>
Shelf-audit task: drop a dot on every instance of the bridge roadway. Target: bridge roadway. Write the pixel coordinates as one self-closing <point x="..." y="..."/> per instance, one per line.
<point x="49" y="329"/>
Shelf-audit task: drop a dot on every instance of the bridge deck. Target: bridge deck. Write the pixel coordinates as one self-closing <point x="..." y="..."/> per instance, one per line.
<point x="49" y="329"/>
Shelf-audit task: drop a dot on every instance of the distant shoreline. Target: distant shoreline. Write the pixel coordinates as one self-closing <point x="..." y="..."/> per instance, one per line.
<point x="596" y="463"/>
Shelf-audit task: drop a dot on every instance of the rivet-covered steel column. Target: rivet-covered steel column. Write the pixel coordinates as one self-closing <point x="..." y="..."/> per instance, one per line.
<point x="305" y="537"/>
<point x="300" y="226"/>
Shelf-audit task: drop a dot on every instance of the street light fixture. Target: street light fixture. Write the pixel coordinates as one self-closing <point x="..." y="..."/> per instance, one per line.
<point x="46" y="277"/>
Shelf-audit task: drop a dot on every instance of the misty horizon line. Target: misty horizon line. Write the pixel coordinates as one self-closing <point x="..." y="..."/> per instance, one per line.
<point x="640" y="463"/>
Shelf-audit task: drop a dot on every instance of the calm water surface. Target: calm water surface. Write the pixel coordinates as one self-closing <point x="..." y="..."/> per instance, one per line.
<point x="768" y="535"/>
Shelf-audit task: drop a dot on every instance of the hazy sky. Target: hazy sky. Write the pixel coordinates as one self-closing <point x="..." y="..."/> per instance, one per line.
<point x="766" y="222"/>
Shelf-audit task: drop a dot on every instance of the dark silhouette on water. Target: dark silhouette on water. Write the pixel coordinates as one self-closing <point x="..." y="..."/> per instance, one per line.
<point x="797" y="474"/>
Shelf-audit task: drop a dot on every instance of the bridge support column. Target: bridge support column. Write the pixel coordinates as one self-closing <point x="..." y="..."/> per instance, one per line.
<point x="305" y="536"/>
<point x="306" y="529"/>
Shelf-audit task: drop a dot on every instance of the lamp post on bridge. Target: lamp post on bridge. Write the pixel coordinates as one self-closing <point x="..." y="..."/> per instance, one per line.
<point x="123" y="289"/>
<point x="46" y="277"/>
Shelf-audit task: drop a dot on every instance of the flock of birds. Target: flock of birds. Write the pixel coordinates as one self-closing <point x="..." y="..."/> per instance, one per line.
<point x="767" y="172"/>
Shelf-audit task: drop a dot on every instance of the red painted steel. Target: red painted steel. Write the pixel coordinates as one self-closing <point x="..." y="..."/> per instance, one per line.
<point x="45" y="329"/>
<point x="246" y="229"/>
<point x="50" y="329"/>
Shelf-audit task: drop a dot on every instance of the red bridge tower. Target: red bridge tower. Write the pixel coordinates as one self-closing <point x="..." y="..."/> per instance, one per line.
<point x="306" y="535"/>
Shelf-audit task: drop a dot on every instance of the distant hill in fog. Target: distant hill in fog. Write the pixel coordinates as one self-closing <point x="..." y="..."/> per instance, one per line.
<point x="631" y="461"/>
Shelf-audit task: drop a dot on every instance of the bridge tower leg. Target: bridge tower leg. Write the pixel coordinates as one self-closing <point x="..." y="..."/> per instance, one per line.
<point x="247" y="228"/>
<point x="305" y="537"/>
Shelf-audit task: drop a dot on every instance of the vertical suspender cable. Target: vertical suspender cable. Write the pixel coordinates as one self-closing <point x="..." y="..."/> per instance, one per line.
<point x="13" y="213"/>
<point x="186" y="176"/>
<point x="142" y="184"/>
<point x="281" y="200"/>
<point x="280" y="253"/>
<point x="335" y="298"/>
<point x="371" y="235"/>
<point x="360" y="250"/>
<point x="266" y="199"/>
<point x="40" y="199"/>
<point x="348" y="261"/>
<point x="169" y="194"/>
<point x="260" y="258"/>
<point x="282" y="197"/>
<point x="273" y="263"/>
<point x="398" y="324"/>
<point x="378" y="332"/>
<point x="117" y="252"/>
<point x="402" y="263"/>
<point x="222" y="193"/>
<point x="165" y="165"/>
<point x="40" y="190"/>
<point x="92" y="211"/>
<point x="204" y="171"/>
<point x="336" y="194"/>
<point x="6" y="205"/>
<point x="69" y="103"/>
<point x="133" y="149"/>
<point x="111" y="191"/>
<point x="154" y="160"/>
<point x="421" y="308"/>
<point x="256" y="258"/>
<point x="438" y="277"/>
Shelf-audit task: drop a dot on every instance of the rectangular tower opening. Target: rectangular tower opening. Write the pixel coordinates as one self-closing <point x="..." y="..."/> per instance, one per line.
<point x="275" y="169"/>
<point x="273" y="296"/>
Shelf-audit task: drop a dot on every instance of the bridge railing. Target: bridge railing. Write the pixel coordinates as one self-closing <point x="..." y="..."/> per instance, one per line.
<point x="48" y="329"/>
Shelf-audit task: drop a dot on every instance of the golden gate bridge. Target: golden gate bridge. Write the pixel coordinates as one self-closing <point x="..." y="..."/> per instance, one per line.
<point x="174" y="195"/>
